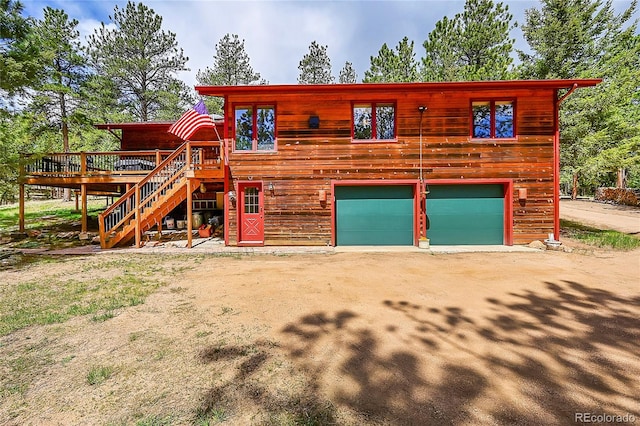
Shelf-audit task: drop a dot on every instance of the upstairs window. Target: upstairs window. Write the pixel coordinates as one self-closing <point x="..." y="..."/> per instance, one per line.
<point x="493" y="119"/>
<point x="255" y="128"/>
<point x="374" y="121"/>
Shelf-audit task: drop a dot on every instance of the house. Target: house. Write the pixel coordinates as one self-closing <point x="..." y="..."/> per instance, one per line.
<point x="360" y="164"/>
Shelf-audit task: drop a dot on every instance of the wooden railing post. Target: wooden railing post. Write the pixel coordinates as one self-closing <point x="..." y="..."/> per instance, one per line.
<point x="21" y="209"/>
<point x="189" y="214"/>
<point x="138" y="219"/>
<point x="188" y="160"/>
<point x="83" y="163"/>
<point x="83" y="195"/>
<point x="103" y="236"/>
<point x="158" y="157"/>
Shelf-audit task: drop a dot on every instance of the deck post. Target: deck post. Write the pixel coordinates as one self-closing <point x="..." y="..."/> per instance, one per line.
<point x="189" y="214"/>
<point x="83" y="195"/>
<point x="21" y="209"/>
<point x="138" y="218"/>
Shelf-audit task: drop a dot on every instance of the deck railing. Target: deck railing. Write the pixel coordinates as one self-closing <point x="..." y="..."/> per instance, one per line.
<point x="73" y="164"/>
<point x="163" y="180"/>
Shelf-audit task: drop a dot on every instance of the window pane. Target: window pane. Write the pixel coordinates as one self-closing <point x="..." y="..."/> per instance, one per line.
<point x="385" y="121"/>
<point x="481" y="119"/>
<point x="266" y="129"/>
<point x="251" y="200"/>
<point x="504" y="120"/>
<point x="244" y="129"/>
<point x="362" y="122"/>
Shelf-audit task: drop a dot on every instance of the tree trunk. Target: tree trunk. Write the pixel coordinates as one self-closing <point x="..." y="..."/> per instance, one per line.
<point x="574" y="190"/>
<point x="622" y="179"/>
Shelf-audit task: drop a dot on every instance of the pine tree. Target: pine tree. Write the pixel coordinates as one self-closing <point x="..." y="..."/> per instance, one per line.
<point x="18" y="52"/>
<point x="64" y="70"/>
<point x="567" y="37"/>
<point x="586" y="38"/>
<point x="231" y="65"/>
<point x="140" y="58"/>
<point x="474" y="45"/>
<point x="393" y="65"/>
<point x="348" y="74"/>
<point x="315" y="66"/>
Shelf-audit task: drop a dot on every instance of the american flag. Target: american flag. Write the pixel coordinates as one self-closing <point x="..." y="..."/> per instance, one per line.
<point x="191" y="121"/>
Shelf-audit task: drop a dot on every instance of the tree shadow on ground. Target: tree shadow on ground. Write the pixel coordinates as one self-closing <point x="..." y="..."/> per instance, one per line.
<point x="564" y="350"/>
<point x="532" y="357"/>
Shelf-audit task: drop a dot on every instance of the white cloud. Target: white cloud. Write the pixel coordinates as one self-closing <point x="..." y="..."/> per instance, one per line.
<point x="277" y="34"/>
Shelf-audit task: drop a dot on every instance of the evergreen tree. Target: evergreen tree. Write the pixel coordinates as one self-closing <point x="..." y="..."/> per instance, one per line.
<point x="140" y="58"/>
<point x="393" y="65"/>
<point x="64" y="70"/>
<point x="231" y="65"/>
<point x="315" y="66"/>
<point x="474" y="45"/>
<point x="586" y="38"/>
<point x="348" y="74"/>
<point x="568" y="37"/>
<point x="18" y="52"/>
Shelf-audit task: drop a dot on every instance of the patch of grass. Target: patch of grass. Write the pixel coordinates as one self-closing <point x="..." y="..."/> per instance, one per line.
<point x="99" y="374"/>
<point x="135" y="336"/>
<point x="155" y="421"/>
<point x="599" y="237"/>
<point x="67" y="359"/>
<point x="107" y="315"/>
<point x="211" y="417"/>
<point x="57" y="298"/>
<point x="47" y="213"/>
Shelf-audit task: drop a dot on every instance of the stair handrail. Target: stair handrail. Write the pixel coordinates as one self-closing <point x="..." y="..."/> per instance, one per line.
<point x="147" y="191"/>
<point x="130" y="195"/>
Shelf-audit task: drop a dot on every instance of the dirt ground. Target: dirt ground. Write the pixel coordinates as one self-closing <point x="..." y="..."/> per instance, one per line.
<point x="601" y="215"/>
<point x="345" y="338"/>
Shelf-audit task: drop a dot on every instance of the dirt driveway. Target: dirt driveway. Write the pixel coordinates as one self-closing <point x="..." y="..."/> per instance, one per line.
<point x="602" y="216"/>
<point x="347" y="338"/>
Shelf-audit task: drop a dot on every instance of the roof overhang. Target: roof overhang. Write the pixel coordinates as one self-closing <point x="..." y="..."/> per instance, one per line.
<point x="147" y="125"/>
<point x="144" y="125"/>
<point x="374" y="87"/>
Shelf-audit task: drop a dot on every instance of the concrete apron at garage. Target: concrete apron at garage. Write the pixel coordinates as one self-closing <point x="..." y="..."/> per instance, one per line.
<point x="435" y="249"/>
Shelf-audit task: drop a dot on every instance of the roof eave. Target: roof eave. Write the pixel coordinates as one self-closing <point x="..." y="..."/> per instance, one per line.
<point x="372" y="87"/>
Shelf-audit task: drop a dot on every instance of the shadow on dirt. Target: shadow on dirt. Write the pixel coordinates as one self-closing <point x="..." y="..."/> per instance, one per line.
<point x="533" y="357"/>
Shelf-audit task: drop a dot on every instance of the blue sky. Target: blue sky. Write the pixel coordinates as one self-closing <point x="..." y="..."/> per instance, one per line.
<point x="277" y="34"/>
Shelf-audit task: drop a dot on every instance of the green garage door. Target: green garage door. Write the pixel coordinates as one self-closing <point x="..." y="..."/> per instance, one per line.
<point x="374" y="215"/>
<point x="465" y="214"/>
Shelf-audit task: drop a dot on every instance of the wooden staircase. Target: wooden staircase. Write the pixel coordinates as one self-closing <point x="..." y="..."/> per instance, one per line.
<point x="146" y="203"/>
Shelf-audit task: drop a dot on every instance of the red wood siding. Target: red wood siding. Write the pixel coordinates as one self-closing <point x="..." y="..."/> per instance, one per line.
<point x="308" y="160"/>
<point x="145" y="138"/>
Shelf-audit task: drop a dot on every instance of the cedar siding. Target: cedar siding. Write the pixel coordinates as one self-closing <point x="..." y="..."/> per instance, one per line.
<point x="308" y="160"/>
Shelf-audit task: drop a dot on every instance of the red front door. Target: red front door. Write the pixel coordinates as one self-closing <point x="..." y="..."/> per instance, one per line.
<point x="250" y="213"/>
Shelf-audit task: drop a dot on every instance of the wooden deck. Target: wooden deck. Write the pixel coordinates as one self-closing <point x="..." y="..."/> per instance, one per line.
<point x="147" y="183"/>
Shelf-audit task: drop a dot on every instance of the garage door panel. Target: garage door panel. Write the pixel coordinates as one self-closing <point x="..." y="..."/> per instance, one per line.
<point x="457" y="217"/>
<point x="374" y="215"/>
